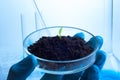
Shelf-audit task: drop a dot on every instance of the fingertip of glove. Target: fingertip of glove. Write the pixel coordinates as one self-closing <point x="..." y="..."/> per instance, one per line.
<point x="100" y="58"/>
<point x="100" y="41"/>
<point x="101" y="54"/>
<point x="28" y="61"/>
<point x="32" y="59"/>
<point x="79" y="35"/>
<point x="95" y="42"/>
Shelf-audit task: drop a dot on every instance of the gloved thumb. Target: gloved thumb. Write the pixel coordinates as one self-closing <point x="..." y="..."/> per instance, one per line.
<point x="22" y="69"/>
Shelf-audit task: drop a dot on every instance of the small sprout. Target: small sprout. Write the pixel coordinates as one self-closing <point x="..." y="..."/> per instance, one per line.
<point x="60" y="31"/>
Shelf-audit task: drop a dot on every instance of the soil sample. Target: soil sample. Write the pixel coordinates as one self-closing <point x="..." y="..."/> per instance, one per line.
<point x="61" y="49"/>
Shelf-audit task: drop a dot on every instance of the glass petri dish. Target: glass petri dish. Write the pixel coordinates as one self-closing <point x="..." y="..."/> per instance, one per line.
<point x="61" y="67"/>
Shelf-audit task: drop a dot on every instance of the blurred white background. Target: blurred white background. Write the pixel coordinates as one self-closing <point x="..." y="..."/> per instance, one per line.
<point x="10" y="24"/>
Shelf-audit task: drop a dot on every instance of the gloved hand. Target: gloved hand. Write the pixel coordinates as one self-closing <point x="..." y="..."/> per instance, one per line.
<point x="22" y="69"/>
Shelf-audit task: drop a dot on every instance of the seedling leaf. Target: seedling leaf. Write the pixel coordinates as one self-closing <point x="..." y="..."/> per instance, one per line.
<point x="60" y="31"/>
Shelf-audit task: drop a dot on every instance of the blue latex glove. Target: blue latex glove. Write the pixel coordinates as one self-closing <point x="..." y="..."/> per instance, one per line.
<point x="22" y="69"/>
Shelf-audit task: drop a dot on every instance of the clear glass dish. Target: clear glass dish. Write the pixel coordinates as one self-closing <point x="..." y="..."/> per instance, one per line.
<point x="61" y="67"/>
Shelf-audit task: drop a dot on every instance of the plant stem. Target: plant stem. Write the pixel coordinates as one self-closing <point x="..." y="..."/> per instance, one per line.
<point x="60" y="31"/>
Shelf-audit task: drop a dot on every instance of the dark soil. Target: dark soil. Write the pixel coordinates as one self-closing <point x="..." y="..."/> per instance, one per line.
<point x="64" y="48"/>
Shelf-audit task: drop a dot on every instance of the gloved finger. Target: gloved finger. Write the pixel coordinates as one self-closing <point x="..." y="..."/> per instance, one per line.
<point x="80" y="35"/>
<point x="51" y="77"/>
<point x="92" y="73"/>
<point x="92" y="42"/>
<point x="74" y="76"/>
<point x="100" y="58"/>
<point x="22" y="69"/>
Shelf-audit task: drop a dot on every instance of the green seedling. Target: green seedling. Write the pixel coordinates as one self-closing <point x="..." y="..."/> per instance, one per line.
<point x="60" y="31"/>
